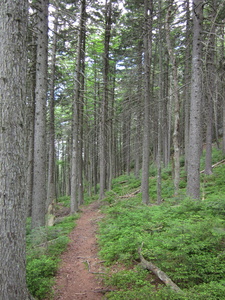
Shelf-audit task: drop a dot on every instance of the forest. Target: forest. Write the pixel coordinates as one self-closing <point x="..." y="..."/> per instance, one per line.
<point x="106" y="100"/>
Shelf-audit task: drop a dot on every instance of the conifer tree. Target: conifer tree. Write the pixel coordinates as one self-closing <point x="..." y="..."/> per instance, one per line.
<point x="13" y="62"/>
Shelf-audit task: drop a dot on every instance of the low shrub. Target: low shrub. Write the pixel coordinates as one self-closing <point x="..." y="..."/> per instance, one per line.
<point x="126" y="279"/>
<point x="185" y="240"/>
<point x="40" y="272"/>
<point x="44" y="247"/>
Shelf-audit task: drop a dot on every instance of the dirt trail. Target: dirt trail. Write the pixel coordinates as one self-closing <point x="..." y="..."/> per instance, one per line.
<point x="77" y="276"/>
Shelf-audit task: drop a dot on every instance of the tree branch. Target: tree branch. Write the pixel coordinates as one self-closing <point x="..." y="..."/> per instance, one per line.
<point x="159" y="273"/>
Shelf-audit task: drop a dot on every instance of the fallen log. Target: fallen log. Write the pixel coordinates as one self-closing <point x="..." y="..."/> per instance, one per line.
<point x="130" y="195"/>
<point x="159" y="273"/>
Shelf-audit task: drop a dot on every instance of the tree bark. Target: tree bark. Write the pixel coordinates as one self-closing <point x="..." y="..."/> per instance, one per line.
<point x="81" y="109"/>
<point x="147" y="68"/>
<point x="39" y="179"/>
<point x="166" y="113"/>
<point x="187" y="71"/>
<point x="13" y="146"/>
<point x="138" y="127"/>
<point x="30" y="124"/>
<point x="126" y="135"/>
<point x="112" y="133"/>
<point x="159" y="151"/>
<point x="210" y="75"/>
<point x="222" y="74"/>
<point x="175" y="90"/>
<point x="104" y="105"/>
<point x="51" y="189"/>
<point x="193" y="176"/>
<point x="76" y="148"/>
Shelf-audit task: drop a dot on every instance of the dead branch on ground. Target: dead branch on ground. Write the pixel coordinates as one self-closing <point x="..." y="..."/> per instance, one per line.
<point x="159" y="273"/>
<point x="89" y="269"/>
<point x="131" y="194"/>
<point x="215" y="165"/>
<point x="103" y="291"/>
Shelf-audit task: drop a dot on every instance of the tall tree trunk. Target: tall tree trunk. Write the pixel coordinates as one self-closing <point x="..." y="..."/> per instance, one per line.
<point x="222" y="74"/>
<point x="159" y="151"/>
<point x="13" y="146"/>
<point x="138" y="127"/>
<point x="76" y="150"/>
<point x="104" y="104"/>
<point x="128" y="138"/>
<point x="193" y="175"/>
<point x="210" y="90"/>
<point x="147" y="68"/>
<point x="126" y="135"/>
<point x="51" y="189"/>
<point x="166" y="119"/>
<point x="95" y="143"/>
<point x="223" y="101"/>
<point x="187" y="72"/>
<point x="111" y="133"/>
<point x="39" y="178"/>
<point x="175" y="92"/>
<point x="30" y="125"/>
<point x="81" y="107"/>
<point x="68" y="164"/>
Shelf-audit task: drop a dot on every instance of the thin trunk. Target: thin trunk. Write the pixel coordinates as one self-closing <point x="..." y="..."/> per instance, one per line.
<point x="30" y="122"/>
<point x="211" y="90"/>
<point x="139" y="112"/>
<point x="187" y="80"/>
<point x="51" y="189"/>
<point x="159" y="151"/>
<point x="81" y="107"/>
<point x="147" y="69"/>
<point x="68" y="164"/>
<point x="223" y="91"/>
<point x="175" y="92"/>
<point x="104" y="105"/>
<point x="166" y="119"/>
<point x="126" y="135"/>
<point x="95" y="143"/>
<point x="76" y="119"/>
<point x="111" y="135"/>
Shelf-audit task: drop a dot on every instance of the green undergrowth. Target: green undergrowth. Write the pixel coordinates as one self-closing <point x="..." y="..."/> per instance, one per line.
<point x="64" y="201"/>
<point x="182" y="237"/>
<point x="44" y="247"/>
<point x="126" y="185"/>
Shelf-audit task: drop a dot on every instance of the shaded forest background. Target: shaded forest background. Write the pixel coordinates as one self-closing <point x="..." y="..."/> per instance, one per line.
<point x="128" y="84"/>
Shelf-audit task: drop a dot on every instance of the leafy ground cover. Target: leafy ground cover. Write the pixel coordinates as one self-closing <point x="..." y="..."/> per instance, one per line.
<point x="184" y="238"/>
<point x="44" y="247"/>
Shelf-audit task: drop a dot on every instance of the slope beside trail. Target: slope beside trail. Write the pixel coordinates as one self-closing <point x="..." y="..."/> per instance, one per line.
<point x="79" y="275"/>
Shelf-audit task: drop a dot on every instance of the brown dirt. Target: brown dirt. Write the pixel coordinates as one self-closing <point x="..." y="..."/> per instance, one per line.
<point x="79" y="276"/>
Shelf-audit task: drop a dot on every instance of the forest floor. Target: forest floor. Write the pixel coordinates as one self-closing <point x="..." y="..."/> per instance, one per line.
<point x="79" y="274"/>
